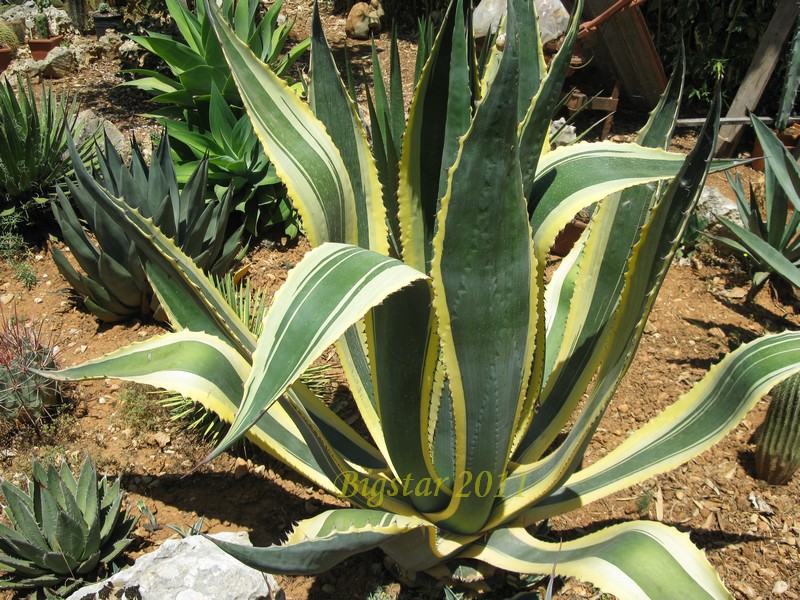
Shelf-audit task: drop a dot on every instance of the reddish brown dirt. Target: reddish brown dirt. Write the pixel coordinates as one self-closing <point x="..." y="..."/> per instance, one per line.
<point x="699" y="317"/>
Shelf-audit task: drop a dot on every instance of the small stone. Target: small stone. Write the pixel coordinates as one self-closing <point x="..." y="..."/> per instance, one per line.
<point x="240" y="469"/>
<point x="101" y="400"/>
<point x="7" y="298"/>
<point x="716" y="332"/>
<point x="623" y="408"/>
<point x="37" y="300"/>
<point x="83" y="348"/>
<point x="38" y="257"/>
<point x="736" y="293"/>
<point x="780" y="587"/>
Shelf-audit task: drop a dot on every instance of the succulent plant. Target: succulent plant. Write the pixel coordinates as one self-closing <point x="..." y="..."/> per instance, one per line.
<point x="115" y="286"/>
<point x="778" y="446"/>
<point x="33" y="139"/>
<point x="63" y="528"/>
<point x="41" y="26"/>
<point x="8" y="37"/>
<point x="25" y="396"/>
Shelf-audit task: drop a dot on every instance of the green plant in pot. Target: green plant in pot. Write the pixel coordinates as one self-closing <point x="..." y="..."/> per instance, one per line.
<point x="105" y="18"/>
<point x="8" y="45"/>
<point x="465" y="361"/>
<point x="42" y="40"/>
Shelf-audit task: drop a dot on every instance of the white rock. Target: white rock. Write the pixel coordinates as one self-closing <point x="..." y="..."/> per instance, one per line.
<point x="192" y="568"/>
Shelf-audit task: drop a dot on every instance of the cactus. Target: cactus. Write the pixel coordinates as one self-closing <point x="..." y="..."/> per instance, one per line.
<point x="790" y="84"/>
<point x="77" y="12"/>
<point x="25" y="396"/>
<point x="8" y="37"/>
<point x="778" y="447"/>
<point x="42" y="28"/>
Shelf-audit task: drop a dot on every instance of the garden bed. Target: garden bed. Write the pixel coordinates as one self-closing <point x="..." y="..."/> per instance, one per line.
<point x="750" y="530"/>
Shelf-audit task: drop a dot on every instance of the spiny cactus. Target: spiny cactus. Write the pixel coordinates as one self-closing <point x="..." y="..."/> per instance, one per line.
<point x="25" y="396"/>
<point x="8" y="37"/>
<point x="778" y="448"/>
<point x="41" y="25"/>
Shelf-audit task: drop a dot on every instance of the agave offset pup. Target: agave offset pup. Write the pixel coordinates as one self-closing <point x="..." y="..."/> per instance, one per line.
<point x="465" y="362"/>
<point x="64" y="529"/>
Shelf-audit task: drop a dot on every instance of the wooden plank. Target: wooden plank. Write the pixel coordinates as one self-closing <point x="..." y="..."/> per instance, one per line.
<point x="625" y="45"/>
<point x="759" y="72"/>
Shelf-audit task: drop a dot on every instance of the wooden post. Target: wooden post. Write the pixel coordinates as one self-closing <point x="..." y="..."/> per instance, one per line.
<point x="759" y="72"/>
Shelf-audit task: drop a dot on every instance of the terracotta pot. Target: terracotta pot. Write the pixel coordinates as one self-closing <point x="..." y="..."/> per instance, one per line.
<point x="103" y="23"/>
<point x="5" y="58"/>
<point x="566" y="239"/>
<point x="41" y="48"/>
<point x="789" y="139"/>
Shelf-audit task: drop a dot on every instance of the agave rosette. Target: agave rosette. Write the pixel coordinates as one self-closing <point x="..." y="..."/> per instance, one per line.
<point x="465" y="361"/>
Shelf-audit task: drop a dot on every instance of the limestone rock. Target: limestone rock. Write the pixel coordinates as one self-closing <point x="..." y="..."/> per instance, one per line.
<point x="57" y="20"/>
<point x="91" y="125"/>
<point x="712" y="204"/>
<point x="25" y="68"/>
<point x="60" y="62"/>
<point x="192" y="568"/>
<point x="110" y="44"/>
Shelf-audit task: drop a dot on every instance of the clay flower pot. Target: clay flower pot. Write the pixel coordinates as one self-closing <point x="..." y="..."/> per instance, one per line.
<point x="41" y="47"/>
<point x="566" y="239"/>
<point x="5" y="58"/>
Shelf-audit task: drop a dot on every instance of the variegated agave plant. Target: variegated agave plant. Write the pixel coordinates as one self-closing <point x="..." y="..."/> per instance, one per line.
<point x="465" y="361"/>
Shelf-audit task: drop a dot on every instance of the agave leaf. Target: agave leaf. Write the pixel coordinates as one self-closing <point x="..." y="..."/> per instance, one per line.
<point x="697" y="421"/>
<point x="19" y="566"/>
<point x="70" y="538"/>
<point x="333" y="106"/>
<point x="306" y="159"/>
<point x="338" y="283"/>
<point x="20" y="511"/>
<point x="644" y="560"/>
<point x="762" y="251"/>
<point x="215" y="373"/>
<point x="440" y="113"/>
<point x="317" y="544"/>
<point x="535" y="127"/>
<point x="470" y="260"/>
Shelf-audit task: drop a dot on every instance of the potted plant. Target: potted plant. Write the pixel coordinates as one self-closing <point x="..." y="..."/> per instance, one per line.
<point x="105" y="18"/>
<point x="8" y="45"/>
<point x="41" y="42"/>
<point x="5" y="56"/>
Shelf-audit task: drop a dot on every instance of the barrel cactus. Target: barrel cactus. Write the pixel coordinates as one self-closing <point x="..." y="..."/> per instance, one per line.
<point x="25" y="396"/>
<point x="63" y="529"/>
<point x="778" y="447"/>
<point x="8" y="37"/>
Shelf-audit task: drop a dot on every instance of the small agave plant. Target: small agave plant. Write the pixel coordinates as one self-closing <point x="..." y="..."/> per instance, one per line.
<point x="63" y="529"/>
<point x="113" y="283"/>
<point x="465" y="361"/>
